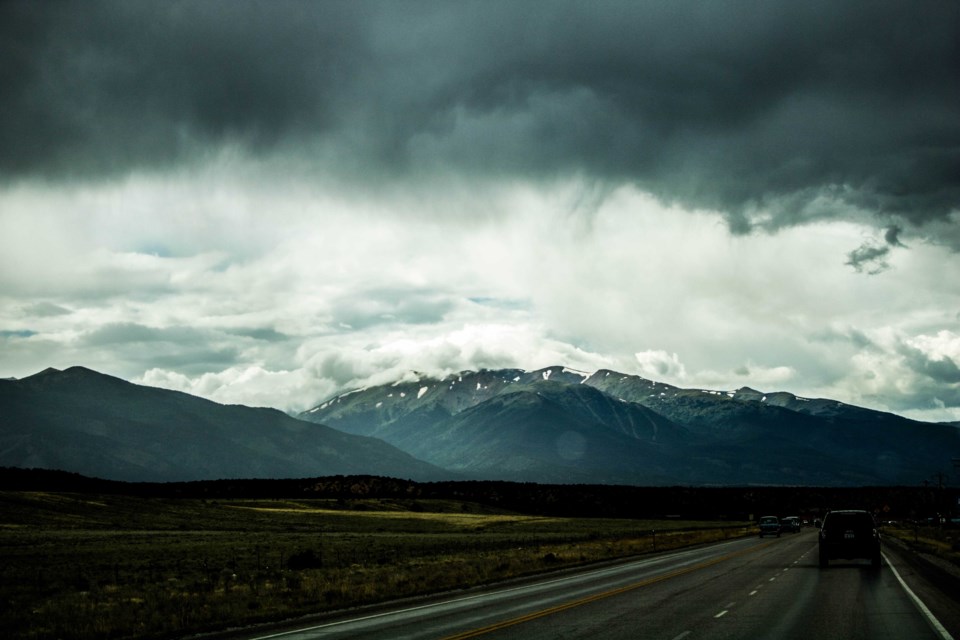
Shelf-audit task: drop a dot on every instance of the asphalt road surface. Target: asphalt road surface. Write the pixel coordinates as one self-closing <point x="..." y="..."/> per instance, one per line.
<point x="749" y="588"/>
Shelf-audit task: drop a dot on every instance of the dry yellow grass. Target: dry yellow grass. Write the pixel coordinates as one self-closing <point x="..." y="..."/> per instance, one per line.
<point x="99" y="566"/>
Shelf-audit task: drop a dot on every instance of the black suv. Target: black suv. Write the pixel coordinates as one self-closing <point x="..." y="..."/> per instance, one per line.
<point x="848" y="535"/>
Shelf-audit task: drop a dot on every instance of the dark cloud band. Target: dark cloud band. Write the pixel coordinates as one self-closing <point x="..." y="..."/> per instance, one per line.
<point x="774" y="113"/>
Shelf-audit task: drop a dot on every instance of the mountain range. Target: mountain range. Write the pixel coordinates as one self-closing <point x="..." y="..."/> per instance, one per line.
<point x="554" y="425"/>
<point x="560" y="425"/>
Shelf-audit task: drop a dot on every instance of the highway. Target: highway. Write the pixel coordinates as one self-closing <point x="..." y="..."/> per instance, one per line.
<point x="769" y="588"/>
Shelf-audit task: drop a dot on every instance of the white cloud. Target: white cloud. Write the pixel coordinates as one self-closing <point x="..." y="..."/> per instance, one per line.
<point x="248" y="385"/>
<point x="262" y="290"/>
<point x="939" y="347"/>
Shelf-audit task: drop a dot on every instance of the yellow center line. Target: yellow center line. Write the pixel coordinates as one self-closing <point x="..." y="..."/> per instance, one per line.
<point x="599" y="596"/>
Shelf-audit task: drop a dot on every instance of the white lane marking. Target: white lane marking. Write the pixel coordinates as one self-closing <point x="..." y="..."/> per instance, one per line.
<point x="772" y="579"/>
<point x="917" y="601"/>
<point x="721" y="614"/>
<point x="682" y="635"/>
<point x="753" y="593"/>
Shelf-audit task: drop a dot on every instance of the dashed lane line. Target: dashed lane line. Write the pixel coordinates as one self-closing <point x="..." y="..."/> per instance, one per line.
<point x="473" y="633"/>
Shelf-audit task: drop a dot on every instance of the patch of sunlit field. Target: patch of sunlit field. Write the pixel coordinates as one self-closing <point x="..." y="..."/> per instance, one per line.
<point x="373" y="514"/>
<point x="83" y="566"/>
<point x="424" y="518"/>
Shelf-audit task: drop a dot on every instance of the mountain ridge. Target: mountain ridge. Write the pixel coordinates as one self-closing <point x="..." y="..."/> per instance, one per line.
<point x="708" y="436"/>
<point x="87" y="422"/>
<point x="552" y="425"/>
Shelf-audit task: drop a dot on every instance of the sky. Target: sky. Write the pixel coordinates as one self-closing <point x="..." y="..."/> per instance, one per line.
<point x="268" y="203"/>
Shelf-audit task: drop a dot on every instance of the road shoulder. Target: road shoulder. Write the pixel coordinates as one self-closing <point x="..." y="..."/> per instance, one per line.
<point x="935" y="581"/>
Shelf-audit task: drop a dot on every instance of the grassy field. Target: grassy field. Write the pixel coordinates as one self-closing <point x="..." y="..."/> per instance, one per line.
<point x="84" y="566"/>
<point x="937" y="541"/>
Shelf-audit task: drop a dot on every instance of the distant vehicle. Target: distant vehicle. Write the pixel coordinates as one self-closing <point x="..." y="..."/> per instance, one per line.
<point x="849" y="535"/>
<point x="790" y="524"/>
<point x="769" y="526"/>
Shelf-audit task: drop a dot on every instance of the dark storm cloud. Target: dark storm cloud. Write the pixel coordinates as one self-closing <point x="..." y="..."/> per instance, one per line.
<point x="106" y="87"/>
<point x="19" y="333"/>
<point x="892" y="236"/>
<point x="849" y="335"/>
<point x="262" y="334"/>
<point x="937" y="384"/>
<point x="788" y="110"/>
<point x="128" y="332"/>
<point x="869" y="258"/>
<point x="45" y="310"/>
<point x="941" y="370"/>
<point x="872" y="257"/>
<point x="185" y="349"/>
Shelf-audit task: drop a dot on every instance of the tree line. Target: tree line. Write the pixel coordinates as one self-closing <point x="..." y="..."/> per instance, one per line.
<point x="607" y="501"/>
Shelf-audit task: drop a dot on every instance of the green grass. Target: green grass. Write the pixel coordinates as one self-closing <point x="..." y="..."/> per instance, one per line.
<point x="82" y="566"/>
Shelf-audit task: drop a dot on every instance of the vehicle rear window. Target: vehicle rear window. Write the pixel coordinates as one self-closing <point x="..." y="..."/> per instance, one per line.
<point x="848" y="521"/>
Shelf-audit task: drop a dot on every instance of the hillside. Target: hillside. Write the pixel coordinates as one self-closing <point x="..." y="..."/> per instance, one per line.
<point x="82" y="421"/>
